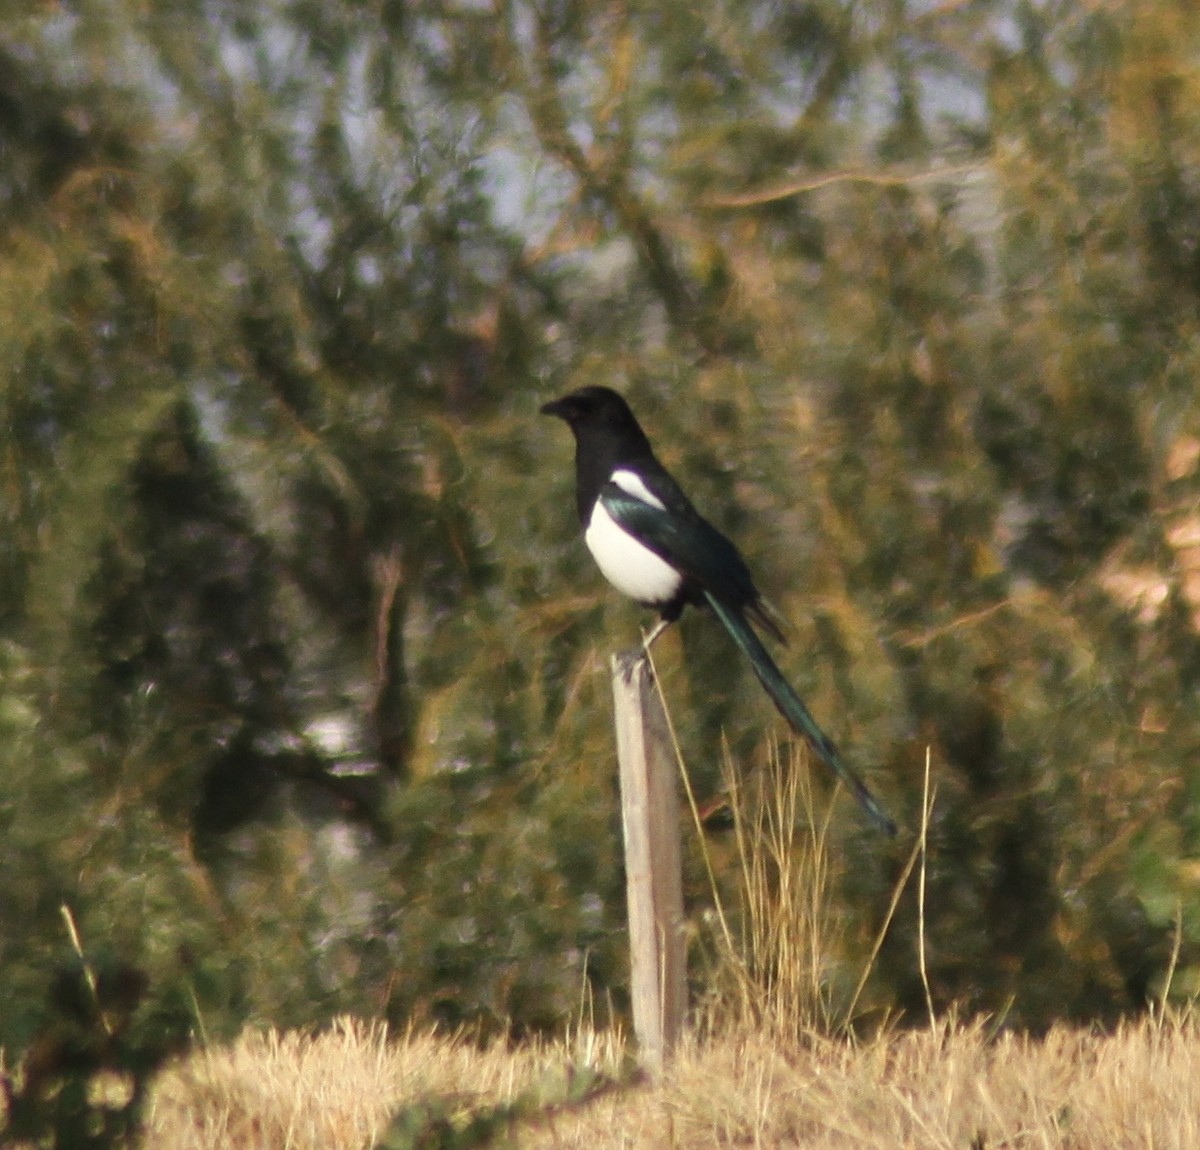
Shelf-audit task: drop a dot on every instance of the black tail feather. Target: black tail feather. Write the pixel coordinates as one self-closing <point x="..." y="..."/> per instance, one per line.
<point x="792" y="707"/>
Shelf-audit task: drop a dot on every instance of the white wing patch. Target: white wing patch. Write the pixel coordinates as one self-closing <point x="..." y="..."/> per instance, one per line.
<point x="632" y="568"/>
<point x="631" y="483"/>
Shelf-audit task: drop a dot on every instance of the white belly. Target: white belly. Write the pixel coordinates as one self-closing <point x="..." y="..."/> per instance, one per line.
<point x="631" y="568"/>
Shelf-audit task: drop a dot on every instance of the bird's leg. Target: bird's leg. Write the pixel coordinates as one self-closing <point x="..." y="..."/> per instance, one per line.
<point x="659" y="628"/>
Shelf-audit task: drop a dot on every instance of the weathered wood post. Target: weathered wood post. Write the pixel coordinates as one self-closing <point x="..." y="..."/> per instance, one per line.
<point x="653" y="866"/>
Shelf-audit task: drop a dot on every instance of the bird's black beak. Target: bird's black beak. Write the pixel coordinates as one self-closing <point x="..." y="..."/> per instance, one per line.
<point x="554" y="407"/>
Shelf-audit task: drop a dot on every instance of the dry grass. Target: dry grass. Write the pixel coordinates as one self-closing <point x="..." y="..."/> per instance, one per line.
<point x="947" y="1086"/>
<point x="340" y="1088"/>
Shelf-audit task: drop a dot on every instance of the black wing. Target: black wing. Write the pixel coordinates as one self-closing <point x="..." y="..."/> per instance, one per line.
<point x="680" y="535"/>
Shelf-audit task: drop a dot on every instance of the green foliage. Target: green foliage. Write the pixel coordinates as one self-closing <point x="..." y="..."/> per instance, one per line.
<point x="84" y="1077"/>
<point x="301" y="666"/>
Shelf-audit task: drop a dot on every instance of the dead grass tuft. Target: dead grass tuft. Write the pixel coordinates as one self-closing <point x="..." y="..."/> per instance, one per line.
<point x="338" y="1089"/>
<point x="288" y="1090"/>
<point x="948" y="1087"/>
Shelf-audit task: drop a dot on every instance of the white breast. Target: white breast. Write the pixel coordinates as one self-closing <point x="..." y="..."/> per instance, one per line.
<point x="630" y="567"/>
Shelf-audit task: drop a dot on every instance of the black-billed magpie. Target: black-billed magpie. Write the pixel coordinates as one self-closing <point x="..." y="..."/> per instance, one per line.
<point x="653" y="545"/>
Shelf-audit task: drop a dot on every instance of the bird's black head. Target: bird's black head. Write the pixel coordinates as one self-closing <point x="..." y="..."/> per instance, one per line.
<point x="607" y="435"/>
<point x="593" y="407"/>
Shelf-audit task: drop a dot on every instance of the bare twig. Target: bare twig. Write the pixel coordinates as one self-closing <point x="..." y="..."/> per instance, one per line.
<point x="926" y="808"/>
<point x="890" y="178"/>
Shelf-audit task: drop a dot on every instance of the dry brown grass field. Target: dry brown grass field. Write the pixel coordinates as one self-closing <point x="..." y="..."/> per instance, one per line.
<point x="945" y="1086"/>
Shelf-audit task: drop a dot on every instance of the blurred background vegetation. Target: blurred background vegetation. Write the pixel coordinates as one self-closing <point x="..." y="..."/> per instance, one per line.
<point x="304" y="703"/>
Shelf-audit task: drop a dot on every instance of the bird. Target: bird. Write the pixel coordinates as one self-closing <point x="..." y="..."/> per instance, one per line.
<point x="652" y="544"/>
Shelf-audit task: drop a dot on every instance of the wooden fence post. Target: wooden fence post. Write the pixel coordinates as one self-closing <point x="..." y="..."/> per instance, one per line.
<point x="653" y="866"/>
